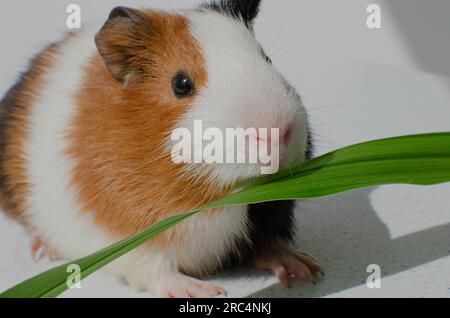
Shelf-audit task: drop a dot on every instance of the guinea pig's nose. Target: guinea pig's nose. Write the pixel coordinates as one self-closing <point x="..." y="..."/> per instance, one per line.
<point x="284" y="136"/>
<point x="261" y="138"/>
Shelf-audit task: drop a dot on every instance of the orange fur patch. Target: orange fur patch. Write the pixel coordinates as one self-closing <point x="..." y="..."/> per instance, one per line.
<point x="15" y="112"/>
<point x="123" y="173"/>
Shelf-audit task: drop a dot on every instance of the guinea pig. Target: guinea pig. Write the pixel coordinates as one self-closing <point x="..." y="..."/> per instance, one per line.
<point x="85" y="138"/>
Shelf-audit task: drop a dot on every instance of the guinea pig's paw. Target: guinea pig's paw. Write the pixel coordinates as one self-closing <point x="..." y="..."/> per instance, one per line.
<point x="178" y="285"/>
<point x="40" y="250"/>
<point x="286" y="263"/>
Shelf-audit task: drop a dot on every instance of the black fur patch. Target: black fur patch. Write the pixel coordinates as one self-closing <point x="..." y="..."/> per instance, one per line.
<point x="269" y="223"/>
<point x="309" y="145"/>
<point x="245" y="10"/>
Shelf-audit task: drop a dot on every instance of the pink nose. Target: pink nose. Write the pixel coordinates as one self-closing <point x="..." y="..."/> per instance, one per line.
<point x="284" y="136"/>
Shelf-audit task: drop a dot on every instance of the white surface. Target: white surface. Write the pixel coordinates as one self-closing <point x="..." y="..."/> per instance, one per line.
<point x="358" y="85"/>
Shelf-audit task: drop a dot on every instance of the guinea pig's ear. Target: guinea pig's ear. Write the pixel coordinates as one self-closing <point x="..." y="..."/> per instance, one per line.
<point x="247" y="10"/>
<point x="123" y="43"/>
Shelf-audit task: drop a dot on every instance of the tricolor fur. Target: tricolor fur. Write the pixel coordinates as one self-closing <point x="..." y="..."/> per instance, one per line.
<point x="84" y="150"/>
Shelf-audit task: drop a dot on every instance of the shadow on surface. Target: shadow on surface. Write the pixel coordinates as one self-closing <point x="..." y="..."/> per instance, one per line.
<point x="345" y="234"/>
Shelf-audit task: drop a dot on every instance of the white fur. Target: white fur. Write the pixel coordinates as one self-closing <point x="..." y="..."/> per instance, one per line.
<point x="210" y="238"/>
<point x="243" y="91"/>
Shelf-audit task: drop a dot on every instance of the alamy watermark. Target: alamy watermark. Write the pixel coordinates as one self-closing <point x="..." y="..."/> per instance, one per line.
<point x="232" y="146"/>
<point x="374" y="19"/>
<point x="74" y="278"/>
<point x="374" y="279"/>
<point x="74" y="19"/>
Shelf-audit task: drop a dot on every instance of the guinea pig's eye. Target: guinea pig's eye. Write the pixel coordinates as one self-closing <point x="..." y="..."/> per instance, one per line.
<point x="182" y="85"/>
<point x="268" y="60"/>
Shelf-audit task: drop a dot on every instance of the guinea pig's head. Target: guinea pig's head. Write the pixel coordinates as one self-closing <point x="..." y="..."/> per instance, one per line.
<point x="203" y="70"/>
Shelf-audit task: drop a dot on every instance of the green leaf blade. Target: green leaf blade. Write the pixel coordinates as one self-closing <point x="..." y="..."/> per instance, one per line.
<point x="419" y="160"/>
<point x="54" y="281"/>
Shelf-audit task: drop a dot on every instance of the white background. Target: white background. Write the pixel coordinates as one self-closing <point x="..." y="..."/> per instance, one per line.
<point x="358" y="84"/>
